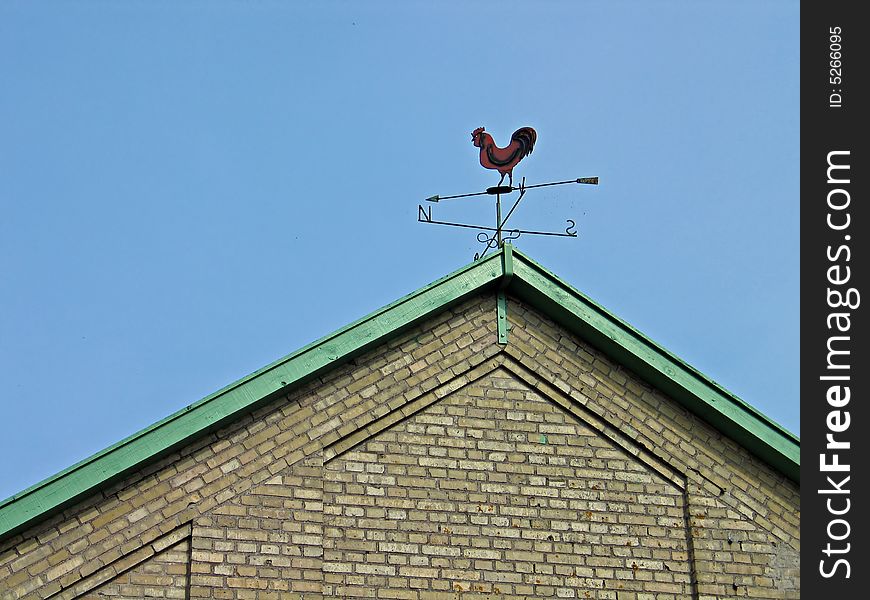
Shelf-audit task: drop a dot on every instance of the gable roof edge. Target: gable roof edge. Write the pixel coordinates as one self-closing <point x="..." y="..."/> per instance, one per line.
<point x="182" y="427"/>
<point x="508" y="268"/>
<point x="700" y="394"/>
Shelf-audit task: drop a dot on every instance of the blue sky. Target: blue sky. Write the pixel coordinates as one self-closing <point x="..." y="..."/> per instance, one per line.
<point x="190" y="190"/>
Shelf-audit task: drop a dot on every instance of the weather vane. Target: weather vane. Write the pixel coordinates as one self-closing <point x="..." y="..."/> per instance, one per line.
<point x="502" y="160"/>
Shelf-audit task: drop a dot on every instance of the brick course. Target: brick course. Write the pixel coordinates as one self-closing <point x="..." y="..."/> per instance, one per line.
<point x="440" y="465"/>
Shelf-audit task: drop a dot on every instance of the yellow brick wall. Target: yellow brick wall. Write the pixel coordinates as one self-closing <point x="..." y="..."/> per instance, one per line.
<point x="497" y="490"/>
<point x="440" y="465"/>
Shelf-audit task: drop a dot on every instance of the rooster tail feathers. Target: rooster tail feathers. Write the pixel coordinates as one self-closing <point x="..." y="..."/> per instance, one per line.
<point x="525" y="137"/>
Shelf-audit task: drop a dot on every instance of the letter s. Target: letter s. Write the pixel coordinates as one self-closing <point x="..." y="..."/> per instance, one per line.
<point x="834" y="568"/>
<point x="840" y="250"/>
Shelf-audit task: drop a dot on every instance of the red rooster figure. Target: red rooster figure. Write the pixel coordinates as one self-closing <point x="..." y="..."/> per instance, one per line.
<point x="504" y="159"/>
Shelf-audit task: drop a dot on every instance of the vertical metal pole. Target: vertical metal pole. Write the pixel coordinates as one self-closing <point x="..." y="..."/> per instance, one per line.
<point x="498" y="219"/>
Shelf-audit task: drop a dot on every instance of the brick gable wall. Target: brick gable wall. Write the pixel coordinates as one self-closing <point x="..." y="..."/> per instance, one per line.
<point x="440" y="465"/>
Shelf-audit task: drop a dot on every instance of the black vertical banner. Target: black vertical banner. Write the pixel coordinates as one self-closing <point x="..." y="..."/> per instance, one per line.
<point x="835" y="367"/>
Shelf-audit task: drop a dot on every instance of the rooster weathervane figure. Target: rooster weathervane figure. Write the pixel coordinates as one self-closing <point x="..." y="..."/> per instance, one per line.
<point x="502" y="160"/>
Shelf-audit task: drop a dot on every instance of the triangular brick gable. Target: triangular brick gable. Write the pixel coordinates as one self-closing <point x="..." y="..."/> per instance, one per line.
<point x="431" y="459"/>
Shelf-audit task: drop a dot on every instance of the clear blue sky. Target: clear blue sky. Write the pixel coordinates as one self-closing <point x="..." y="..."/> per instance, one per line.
<point x="190" y="190"/>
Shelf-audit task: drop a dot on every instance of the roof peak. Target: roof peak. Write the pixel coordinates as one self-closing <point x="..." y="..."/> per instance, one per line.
<point x="508" y="270"/>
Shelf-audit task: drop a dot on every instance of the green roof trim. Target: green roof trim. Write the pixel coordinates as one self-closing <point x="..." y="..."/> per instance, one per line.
<point x="508" y="268"/>
<point x="107" y="466"/>
<point x="701" y="395"/>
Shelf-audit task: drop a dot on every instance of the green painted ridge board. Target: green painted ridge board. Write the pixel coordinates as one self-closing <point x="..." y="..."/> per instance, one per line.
<point x="507" y="264"/>
<point x="81" y="478"/>
<point x="673" y="357"/>
<point x="648" y="359"/>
